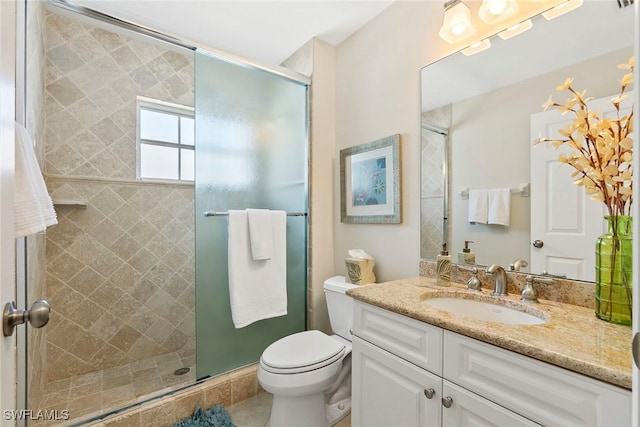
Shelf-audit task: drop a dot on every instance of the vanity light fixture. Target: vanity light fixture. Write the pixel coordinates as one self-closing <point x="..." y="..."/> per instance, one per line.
<point x="457" y="23"/>
<point x="492" y="11"/>
<point x="561" y="9"/>
<point x="515" y="30"/>
<point x="476" y="47"/>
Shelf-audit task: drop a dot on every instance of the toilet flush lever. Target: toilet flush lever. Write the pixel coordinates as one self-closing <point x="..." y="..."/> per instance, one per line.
<point x="37" y="315"/>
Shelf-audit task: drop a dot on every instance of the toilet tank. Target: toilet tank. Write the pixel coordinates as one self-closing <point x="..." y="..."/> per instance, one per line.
<point x="340" y="306"/>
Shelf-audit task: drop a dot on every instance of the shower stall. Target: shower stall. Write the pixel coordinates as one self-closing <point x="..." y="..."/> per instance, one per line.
<point x="137" y="136"/>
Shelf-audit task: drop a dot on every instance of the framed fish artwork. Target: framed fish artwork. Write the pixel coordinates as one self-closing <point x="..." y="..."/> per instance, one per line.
<point x="370" y="182"/>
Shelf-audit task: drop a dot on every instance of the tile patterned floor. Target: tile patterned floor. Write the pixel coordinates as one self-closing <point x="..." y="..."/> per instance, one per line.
<point x="254" y="412"/>
<point x="95" y="393"/>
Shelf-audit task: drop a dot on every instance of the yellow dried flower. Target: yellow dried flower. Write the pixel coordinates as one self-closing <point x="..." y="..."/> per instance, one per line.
<point x="565" y="85"/>
<point x="601" y="148"/>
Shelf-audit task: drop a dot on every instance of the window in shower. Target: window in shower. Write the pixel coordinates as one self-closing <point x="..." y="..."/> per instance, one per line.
<point x="165" y="141"/>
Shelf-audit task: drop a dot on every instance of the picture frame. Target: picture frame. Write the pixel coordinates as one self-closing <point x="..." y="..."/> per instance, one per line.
<point x="370" y="190"/>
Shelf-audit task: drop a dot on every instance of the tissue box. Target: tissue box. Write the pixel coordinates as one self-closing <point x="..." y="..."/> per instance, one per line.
<point x="360" y="271"/>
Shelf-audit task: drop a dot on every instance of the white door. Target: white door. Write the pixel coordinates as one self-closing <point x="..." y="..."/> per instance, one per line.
<point x="565" y="223"/>
<point x="7" y="241"/>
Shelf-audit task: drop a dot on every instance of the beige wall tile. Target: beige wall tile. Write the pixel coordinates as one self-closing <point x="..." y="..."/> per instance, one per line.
<point x="86" y="346"/>
<point x="106" y="263"/>
<point x="125" y="338"/>
<point x="84" y="405"/>
<point x="125" y="420"/>
<point x="219" y="394"/>
<point x="65" y="92"/>
<point x="243" y="387"/>
<point x="186" y="405"/>
<point x="160" y="415"/>
<point x="108" y="357"/>
<point x="169" y="409"/>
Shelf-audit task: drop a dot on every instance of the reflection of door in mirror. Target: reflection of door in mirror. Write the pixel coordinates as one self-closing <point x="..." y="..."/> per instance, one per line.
<point x="562" y="216"/>
<point x="434" y="185"/>
<point x="491" y="97"/>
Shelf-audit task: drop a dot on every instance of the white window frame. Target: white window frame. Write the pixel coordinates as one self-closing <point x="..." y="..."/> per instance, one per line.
<point x="167" y="108"/>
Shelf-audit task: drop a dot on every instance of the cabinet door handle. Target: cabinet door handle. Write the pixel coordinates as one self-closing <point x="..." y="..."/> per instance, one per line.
<point x="447" y="401"/>
<point x="429" y="393"/>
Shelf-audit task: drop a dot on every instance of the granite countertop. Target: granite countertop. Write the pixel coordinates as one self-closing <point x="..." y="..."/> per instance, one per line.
<point x="573" y="338"/>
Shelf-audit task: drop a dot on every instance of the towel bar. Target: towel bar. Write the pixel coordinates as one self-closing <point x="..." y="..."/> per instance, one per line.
<point x="70" y="202"/>
<point x="214" y="213"/>
<point x="523" y="190"/>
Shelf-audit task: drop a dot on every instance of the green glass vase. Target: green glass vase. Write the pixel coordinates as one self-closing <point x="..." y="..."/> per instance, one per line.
<point x="614" y="271"/>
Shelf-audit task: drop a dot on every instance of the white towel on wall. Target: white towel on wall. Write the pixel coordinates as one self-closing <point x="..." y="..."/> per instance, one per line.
<point x="260" y="233"/>
<point x="500" y="206"/>
<point x="257" y="289"/>
<point x="33" y="208"/>
<point x="478" y="206"/>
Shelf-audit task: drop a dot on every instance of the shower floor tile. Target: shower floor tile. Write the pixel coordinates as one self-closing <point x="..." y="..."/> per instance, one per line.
<point x="96" y="393"/>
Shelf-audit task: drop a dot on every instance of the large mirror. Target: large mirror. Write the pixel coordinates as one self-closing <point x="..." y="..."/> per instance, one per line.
<point x="479" y="114"/>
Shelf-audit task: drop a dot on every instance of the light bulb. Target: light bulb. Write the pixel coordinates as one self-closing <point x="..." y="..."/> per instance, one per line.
<point x="497" y="7"/>
<point x="457" y="23"/>
<point x="492" y="11"/>
<point x="459" y="28"/>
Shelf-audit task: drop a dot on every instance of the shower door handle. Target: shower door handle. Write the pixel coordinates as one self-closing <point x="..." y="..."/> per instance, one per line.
<point x="37" y="315"/>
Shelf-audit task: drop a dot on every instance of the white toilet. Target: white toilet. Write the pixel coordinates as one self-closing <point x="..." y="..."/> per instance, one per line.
<point x="309" y="373"/>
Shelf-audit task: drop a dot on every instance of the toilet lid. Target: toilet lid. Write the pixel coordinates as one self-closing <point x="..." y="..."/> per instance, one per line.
<point x="302" y="352"/>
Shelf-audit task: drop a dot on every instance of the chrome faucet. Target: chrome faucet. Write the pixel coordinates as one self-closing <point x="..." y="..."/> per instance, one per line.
<point x="529" y="293"/>
<point x="518" y="264"/>
<point x="500" y="279"/>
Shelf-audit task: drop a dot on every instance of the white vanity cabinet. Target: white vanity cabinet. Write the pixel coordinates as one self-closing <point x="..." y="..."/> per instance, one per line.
<point x="410" y="373"/>
<point x="389" y="391"/>
<point x="468" y="409"/>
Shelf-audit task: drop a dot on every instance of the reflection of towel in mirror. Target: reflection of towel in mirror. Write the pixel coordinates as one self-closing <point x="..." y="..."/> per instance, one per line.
<point x="478" y="206"/>
<point x="33" y="208"/>
<point x="499" y="206"/>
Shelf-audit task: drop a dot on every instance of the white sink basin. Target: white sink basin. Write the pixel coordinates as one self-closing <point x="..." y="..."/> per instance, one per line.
<point x="484" y="311"/>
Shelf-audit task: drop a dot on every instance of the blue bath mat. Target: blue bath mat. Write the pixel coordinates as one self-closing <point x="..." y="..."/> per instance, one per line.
<point x="213" y="417"/>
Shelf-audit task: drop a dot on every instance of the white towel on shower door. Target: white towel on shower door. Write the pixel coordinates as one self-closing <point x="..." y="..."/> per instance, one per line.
<point x="260" y="233"/>
<point x="257" y="288"/>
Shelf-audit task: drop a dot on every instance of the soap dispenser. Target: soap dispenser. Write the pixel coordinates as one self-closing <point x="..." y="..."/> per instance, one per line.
<point x="443" y="267"/>
<point x="466" y="256"/>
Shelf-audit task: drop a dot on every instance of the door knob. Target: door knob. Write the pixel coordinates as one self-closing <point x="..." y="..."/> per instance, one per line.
<point x="538" y="244"/>
<point x="429" y="393"/>
<point x="447" y="401"/>
<point x="37" y="315"/>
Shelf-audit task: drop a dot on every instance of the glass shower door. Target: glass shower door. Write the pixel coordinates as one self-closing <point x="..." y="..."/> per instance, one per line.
<point x="251" y="152"/>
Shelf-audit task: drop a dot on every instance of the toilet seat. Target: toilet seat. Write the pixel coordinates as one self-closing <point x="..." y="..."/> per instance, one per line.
<point x="302" y="352"/>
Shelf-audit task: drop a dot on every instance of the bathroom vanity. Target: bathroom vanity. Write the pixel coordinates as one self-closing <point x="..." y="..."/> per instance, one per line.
<point x="417" y="365"/>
